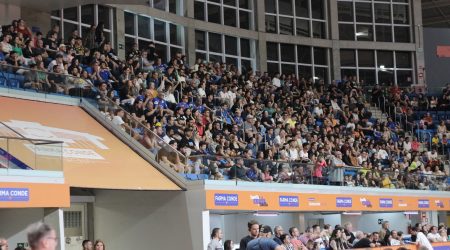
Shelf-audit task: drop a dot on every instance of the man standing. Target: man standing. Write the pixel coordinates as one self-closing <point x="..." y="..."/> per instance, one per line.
<point x="264" y="242"/>
<point x="253" y="229"/>
<point x="278" y="232"/>
<point x="421" y="239"/>
<point x="384" y="229"/>
<point x="41" y="237"/>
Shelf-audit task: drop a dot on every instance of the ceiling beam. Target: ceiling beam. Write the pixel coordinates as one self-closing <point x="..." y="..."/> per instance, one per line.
<point x="434" y="20"/>
<point x="435" y="4"/>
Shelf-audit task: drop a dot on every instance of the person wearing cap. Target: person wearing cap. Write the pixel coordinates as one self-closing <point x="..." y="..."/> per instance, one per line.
<point x="264" y="242"/>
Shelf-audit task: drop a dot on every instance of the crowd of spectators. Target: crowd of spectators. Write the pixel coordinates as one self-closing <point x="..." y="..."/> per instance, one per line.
<point x="216" y="119"/>
<point x="332" y="238"/>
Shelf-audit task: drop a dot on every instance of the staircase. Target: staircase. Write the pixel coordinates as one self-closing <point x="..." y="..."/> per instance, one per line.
<point x="376" y="113"/>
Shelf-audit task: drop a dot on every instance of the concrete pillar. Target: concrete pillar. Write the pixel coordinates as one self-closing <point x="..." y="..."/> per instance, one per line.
<point x="54" y="218"/>
<point x="418" y="40"/>
<point x="189" y="32"/>
<point x="9" y="12"/>
<point x="38" y="19"/>
<point x="120" y="32"/>
<point x="261" y="48"/>
<point x="335" y="62"/>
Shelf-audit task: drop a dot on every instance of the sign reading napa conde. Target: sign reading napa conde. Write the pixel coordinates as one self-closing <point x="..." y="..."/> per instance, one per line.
<point x="424" y="203"/>
<point x="226" y="199"/>
<point x="343" y="202"/>
<point x="386" y="203"/>
<point x="14" y="194"/>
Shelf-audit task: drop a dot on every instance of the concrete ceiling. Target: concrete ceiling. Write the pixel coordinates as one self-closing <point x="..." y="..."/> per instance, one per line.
<point x="48" y="5"/>
<point x="436" y="13"/>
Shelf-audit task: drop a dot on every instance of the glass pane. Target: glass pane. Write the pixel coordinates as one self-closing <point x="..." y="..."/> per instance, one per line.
<point x="246" y="65"/>
<point x="230" y="2"/>
<point x="215" y="42"/>
<point x="285" y="7"/>
<point x="129" y="42"/>
<point x="160" y="30"/>
<point x="214" y="15"/>
<point x="385" y="59"/>
<point x="144" y="27"/>
<point x="271" y="24"/>
<point x="199" y="10"/>
<point x="288" y="69"/>
<point x="366" y="58"/>
<point x="272" y="51"/>
<point x="302" y="8"/>
<point x="244" y="19"/>
<point x="404" y="78"/>
<point x="174" y="51"/>
<point x="215" y="58"/>
<point x="231" y="45"/>
<point x="200" y="56"/>
<point x="286" y="26"/>
<point x="318" y="8"/>
<point x="230" y="15"/>
<point x="384" y="33"/>
<point x="55" y="13"/>
<point x="175" y="34"/>
<point x="403" y="59"/>
<point x="402" y="34"/>
<point x="161" y="50"/>
<point x="200" y="40"/>
<point x="321" y="74"/>
<point x="401" y="15"/>
<point x="287" y="52"/>
<point x="364" y="32"/>
<point x="382" y="13"/>
<point x="367" y="76"/>
<point x="320" y="56"/>
<point x="103" y="16"/>
<point x="319" y="30"/>
<point x="159" y="4"/>
<point x="346" y="32"/>
<point x="71" y="14"/>
<point x="304" y="54"/>
<point x="345" y="11"/>
<point x="87" y="14"/>
<point x="245" y="4"/>
<point x="386" y="77"/>
<point x="245" y="47"/>
<point x="231" y="61"/>
<point x="68" y="29"/>
<point x="216" y="1"/>
<point x="363" y="12"/>
<point x="143" y="44"/>
<point x="348" y="73"/>
<point x="129" y="23"/>
<point x="174" y="7"/>
<point x="272" y="68"/>
<point x="304" y="72"/>
<point x="271" y="6"/>
<point x="303" y="28"/>
<point x="348" y="57"/>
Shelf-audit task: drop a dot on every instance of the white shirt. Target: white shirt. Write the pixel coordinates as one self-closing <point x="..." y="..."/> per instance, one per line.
<point x="276" y="82"/>
<point x="395" y="242"/>
<point x="423" y="241"/>
<point x="117" y="120"/>
<point x="434" y="237"/>
<point x="293" y="154"/>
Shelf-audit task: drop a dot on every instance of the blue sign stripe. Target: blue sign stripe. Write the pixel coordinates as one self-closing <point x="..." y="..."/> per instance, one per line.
<point x="14" y="194"/>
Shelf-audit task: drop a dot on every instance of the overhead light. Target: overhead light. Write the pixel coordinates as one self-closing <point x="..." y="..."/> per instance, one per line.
<point x="410" y="212"/>
<point x="316" y="78"/>
<point x="352" y="213"/>
<point x="382" y="67"/>
<point x="266" y="214"/>
<point x="362" y="34"/>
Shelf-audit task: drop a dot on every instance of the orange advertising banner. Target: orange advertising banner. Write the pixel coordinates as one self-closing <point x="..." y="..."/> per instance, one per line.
<point x="92" y="156"/>
<point x="283" y="201"/>
<point x="25" y="195"/>
<point x="436" y="246"/>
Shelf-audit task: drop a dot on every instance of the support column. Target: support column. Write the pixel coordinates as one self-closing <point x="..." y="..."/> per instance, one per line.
<point x="260" y="26"/>
<point x="335" y="63"/>
<point x="54" y="217"/>
<point x="120" y="33"/>
<point x="418" y="40"/>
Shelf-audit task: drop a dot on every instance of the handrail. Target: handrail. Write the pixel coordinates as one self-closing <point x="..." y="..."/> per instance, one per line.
<point x="30" y="139"/>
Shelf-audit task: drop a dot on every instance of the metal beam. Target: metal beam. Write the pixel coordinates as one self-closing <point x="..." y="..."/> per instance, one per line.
<point x="435" y="20"/>
<point x="435" y="4"/>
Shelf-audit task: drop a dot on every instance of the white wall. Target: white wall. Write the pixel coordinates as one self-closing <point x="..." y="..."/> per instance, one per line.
<point x="148" y="219"/>
<point x="8" y="12"/>
<point x="15" y="221"/>
<point x="369" y="222"/>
